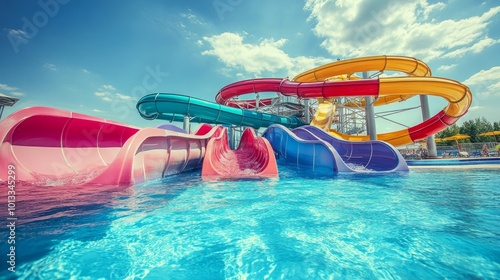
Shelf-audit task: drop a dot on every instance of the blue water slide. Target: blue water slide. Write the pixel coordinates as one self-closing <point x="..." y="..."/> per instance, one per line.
<point x="373" y="155"/>
<point x="305" y="154"/>
<point x="173" y="107"/>
<point x="311" y="148"/>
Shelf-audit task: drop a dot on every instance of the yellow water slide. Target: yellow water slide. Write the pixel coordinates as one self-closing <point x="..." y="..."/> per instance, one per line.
<point x="324" y="115"/>
<point x="393" y="89"/>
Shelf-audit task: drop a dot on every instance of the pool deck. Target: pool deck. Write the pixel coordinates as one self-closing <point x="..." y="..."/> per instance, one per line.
<point x="480" y="162"/>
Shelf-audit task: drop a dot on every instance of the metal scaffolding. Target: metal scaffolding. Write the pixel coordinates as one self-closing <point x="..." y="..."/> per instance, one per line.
<point x="6" y="101"/>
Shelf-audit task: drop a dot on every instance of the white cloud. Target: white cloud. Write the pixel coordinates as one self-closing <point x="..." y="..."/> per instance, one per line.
<point x="483" y="76"/>
<point x="50" y="66"/>
<point x="13" y="91"/>
<point x="18" y="33"/>
<point x="188" y="24"/>
<point x="124" y="97"/>
<point x="475" y="108"/>
<point x="230" y="49"/>
<point x="108" y="87"/>
<point x="108" y="93"/>
<point x="483" y="44"/>
<point x="265" y="56"/>
<point x="97" y="111"/>
<point x="7" y="88"/>
<point x="446" y="67"/>
<point x="17" y="93"/>
<point x="368" y="27"/>
<point x="102" y="93"/>
<point x="476" y="48"/>
<point x="85" y="71"/>
<point x="485" y="83"/>
<point x="192" y="18"/>
<point x="428" y="8"/>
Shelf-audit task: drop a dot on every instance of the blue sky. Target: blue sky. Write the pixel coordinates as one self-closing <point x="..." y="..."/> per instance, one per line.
<point x="99" y="57"/>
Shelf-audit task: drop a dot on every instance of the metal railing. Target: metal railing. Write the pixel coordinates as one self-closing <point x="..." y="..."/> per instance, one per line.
<point x="466" y="150"/>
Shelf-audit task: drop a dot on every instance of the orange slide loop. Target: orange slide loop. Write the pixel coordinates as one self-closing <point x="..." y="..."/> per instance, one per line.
<point x="395" y="89"/>
<point x="408" y="65"/>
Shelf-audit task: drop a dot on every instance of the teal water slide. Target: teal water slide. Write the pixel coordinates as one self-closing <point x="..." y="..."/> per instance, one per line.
<point x="173" y="107"/>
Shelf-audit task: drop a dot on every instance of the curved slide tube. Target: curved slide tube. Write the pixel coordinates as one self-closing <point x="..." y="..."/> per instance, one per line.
<point x="311" y="148"/>
<point x="254" y="158"/>
<point x="373" y="155"/>
<point x="330" y="72"/>
<point x="345" y="68"/>
<point x="315" y="84"/>
<point x="54" y="147"/>
<point x="174" y="107"/>
<point x="397" y="89"/>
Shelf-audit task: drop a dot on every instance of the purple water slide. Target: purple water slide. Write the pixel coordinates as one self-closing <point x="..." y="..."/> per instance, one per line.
<point x="372" y="155"/>
<point x="311" y="148"/>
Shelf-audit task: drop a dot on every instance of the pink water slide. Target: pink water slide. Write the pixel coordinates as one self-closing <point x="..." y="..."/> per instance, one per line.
<point x="254" y="158"/>
<point x="49" y="146"/>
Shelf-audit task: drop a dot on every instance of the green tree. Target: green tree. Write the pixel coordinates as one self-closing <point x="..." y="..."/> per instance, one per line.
<point x="475" y="127"/>
<point x="472" y="128"/>
<point x="447" y="132"/>
<point x="496" y="126"/>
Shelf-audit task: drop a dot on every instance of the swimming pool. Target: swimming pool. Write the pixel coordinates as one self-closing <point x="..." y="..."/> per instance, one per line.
<point x="417" y="225"/>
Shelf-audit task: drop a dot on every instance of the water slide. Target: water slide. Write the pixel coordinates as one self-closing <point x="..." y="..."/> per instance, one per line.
<point x="48" y="146"/>
<point x="324" y="82"/>
<point x="87" y="150"/>
<point x="324" y="115"/>
<point x="311" y="148"/>
<point x="254" y="158"/>
<point x="173" y="107"/>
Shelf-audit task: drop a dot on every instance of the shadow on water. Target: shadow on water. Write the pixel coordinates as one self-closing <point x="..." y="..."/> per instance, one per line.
<point x="47" y="215"/>
<point x="292" y="172"/>
<point x="198" y="224"/>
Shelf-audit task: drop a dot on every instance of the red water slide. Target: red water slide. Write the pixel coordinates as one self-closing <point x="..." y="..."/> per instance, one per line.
<point x="254" y="158"/>
<point x="290" y="88"/>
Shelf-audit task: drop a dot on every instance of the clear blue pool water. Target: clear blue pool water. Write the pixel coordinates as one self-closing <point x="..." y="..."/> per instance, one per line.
<point x="425" y="224"/>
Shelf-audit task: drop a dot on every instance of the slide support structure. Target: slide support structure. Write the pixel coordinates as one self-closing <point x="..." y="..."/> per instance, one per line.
<point x="370" y="114"/>
<point x="431" y="144"/>
<point x="306" y="112"/>
<point x="232" y="140"/>
<point x="185" y="124"/>
<point x="257" y="101"/>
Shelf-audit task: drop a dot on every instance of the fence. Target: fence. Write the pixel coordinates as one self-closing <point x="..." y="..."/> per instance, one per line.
<point x="466" y="149"/>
